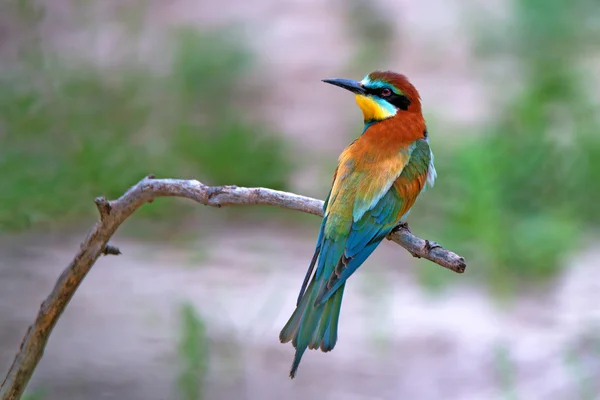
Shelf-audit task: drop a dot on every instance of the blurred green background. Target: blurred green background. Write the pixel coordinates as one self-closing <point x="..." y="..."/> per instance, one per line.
<point x="510" y="96"/>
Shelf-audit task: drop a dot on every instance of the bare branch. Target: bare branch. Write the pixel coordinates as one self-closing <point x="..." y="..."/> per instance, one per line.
<point x="114" y="213"/>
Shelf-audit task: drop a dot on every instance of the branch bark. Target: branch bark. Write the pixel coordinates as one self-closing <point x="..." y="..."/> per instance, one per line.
<point x="114" y="213"/>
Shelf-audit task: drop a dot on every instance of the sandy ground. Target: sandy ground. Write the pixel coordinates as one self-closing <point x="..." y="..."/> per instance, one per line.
<point x="117" y="339"/>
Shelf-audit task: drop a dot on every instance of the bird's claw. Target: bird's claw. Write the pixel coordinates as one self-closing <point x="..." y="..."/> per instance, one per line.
<point x="429" y="245"/>
<point x="401" y="225"/>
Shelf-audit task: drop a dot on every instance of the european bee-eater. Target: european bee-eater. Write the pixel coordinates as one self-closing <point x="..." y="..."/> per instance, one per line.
<point x="378" y="178"/>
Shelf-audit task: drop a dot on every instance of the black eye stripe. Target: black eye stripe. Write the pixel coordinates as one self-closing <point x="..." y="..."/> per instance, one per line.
<point x="398" y="100"/>
<point x="377" y="91"/>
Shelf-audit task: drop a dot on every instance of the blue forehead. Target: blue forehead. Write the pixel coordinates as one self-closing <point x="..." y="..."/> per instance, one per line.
<point x="378" y="84"/>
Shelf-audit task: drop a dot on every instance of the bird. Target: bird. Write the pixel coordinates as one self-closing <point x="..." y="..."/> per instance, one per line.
<point x="377" y="180"/>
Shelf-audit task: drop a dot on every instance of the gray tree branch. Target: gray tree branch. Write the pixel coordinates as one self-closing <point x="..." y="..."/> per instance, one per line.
<point x="114" y="213"/>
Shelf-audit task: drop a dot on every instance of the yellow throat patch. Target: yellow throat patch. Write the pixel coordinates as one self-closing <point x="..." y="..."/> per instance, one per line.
<point x="374" y="110"/>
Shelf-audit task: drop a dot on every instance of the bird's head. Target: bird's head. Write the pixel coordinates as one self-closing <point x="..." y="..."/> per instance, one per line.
<point x="382" y="95"/>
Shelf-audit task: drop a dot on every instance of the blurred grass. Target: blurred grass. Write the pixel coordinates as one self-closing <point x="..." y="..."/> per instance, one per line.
<point x="517" y="198"/>
<point x="33" y="395"/>
<point x="506" y="370"/>
<point x="206" y="76"/>
<point x="579" y="372"/>
<point x="193" y="354"/>
<point x="70" y="132"/>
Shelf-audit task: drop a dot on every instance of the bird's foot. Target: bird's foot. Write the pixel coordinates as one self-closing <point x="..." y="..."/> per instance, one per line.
<point x="430" y="245"/>
<point x="401" y="225"/>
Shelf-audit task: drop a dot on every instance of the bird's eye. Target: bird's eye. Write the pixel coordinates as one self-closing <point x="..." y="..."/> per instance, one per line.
<point x="386" y="92"/>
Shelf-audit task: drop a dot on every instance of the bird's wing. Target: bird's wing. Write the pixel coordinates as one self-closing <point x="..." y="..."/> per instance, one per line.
<point x="375" y="213"/>
<point x="311" y="267"/>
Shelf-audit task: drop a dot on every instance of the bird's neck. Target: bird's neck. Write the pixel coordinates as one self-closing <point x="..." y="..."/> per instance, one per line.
<point x="404" y="127"/>
<point x="370" y="123"/>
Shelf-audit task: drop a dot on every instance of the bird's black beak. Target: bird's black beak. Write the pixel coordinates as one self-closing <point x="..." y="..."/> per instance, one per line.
<point x="353" y="86"/>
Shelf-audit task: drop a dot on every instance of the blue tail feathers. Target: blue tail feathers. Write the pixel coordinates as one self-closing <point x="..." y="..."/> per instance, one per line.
<point x="313" y="327"/>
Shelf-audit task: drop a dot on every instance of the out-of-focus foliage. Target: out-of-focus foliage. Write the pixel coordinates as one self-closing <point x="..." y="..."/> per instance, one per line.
<point x="36" y="395"/>
<point x="193" y="354"/>
<point x="218" y="141"/>
<point x="516" y="196"/>
<point x="505" y="369"/>
<point x="70" y="132"/>
<point x="66" y="142"/>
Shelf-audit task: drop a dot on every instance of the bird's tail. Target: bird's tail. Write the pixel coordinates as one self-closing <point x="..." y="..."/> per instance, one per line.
<point x="310" y="326"/>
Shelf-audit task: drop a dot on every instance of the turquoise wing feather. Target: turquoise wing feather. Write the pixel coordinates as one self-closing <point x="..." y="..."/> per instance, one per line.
<point x="377" y="222"/>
